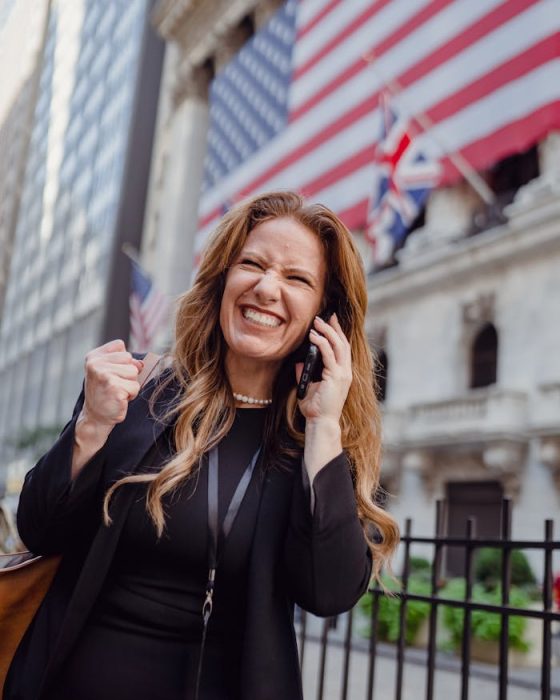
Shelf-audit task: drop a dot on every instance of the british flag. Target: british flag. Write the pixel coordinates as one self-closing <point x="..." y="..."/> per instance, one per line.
<point x="403" y="179"/>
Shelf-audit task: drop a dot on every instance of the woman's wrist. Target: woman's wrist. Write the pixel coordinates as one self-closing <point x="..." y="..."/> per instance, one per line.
<point x="89" y="432"/>
<point x="323" y="442"/>
<point x="89" y="438"/>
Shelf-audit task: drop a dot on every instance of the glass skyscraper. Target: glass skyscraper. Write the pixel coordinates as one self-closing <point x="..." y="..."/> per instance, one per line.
<point x="57" y="292"/>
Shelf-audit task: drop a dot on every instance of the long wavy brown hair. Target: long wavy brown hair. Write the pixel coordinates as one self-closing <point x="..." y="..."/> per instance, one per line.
<point x="205" y="408"/>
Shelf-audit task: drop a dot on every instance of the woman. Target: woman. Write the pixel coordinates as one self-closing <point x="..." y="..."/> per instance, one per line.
<point x="136" y="479"/>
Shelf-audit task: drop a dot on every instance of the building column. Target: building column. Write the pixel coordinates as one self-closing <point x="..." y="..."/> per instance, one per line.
<point x="177" y="172"/>
<point x="549" y="157"/>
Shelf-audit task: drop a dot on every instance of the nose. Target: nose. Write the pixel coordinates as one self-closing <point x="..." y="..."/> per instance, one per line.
<point x="268" y="287"/>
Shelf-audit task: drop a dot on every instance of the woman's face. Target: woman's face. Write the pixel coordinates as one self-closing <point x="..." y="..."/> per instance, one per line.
<point x="272" y="292"/>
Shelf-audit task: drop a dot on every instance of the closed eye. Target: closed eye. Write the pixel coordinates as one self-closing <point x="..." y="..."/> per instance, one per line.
<point x="299" y="279"/>
<point x="247" y="261"/>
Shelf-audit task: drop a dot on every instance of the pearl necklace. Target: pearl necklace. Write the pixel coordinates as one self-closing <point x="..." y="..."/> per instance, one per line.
<point x="251" y="399"/>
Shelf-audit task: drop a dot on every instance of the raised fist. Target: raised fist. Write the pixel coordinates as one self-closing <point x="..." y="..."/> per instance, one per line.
<point x="111" y="381"/>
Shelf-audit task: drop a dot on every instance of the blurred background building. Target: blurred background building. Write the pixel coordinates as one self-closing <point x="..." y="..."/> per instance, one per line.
<point x="22" y="33"/>
<point x="81" y="197"/>
<point x="258" y="94"/>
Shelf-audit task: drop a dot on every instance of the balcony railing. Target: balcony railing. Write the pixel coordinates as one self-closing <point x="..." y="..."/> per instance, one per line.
<point x="482" y="414"/>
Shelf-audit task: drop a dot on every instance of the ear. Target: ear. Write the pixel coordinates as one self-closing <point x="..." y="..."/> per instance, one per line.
<point x="299" y="369"/>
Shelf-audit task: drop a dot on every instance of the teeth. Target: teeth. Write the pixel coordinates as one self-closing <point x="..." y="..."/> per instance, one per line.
<point x="261" y="319"/>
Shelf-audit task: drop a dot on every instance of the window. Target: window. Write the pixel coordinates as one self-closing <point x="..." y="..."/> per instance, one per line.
<point x="505" y="178"/>
<point x="511" y="173"/>
<point x="484" y="357"/>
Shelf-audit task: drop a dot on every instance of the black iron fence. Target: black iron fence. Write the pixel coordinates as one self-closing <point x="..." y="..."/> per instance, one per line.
<point x="538" y="683"/>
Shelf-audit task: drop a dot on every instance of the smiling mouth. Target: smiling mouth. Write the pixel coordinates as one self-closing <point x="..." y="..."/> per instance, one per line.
<point x="260" y="319"/>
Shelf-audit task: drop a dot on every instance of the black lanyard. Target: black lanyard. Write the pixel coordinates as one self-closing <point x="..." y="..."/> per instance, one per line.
<point x="231" y="514"/>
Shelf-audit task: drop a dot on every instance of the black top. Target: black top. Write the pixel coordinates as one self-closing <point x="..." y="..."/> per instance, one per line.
<point x="152" y="599"/>
<point x="293" y="557"/>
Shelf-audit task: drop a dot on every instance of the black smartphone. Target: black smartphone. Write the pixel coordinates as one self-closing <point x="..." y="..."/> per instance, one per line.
<point x="310" y="355"/>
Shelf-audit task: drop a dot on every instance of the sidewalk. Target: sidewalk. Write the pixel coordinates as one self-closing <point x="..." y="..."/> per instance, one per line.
<point x="447" y="682"/>
<point x="524" y="683"/>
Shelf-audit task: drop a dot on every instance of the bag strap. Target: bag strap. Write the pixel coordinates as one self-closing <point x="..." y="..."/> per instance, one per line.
<point x="150" y="361"/>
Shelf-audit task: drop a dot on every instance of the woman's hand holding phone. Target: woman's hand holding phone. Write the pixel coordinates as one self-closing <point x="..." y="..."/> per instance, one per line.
<point x="324" y="400"/>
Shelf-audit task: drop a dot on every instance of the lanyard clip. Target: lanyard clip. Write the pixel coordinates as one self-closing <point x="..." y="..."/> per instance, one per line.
<point x="207" y="607"/>
<point x="208" y="604"/>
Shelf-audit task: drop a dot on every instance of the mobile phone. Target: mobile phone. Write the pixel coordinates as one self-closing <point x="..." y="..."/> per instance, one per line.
<point x="310" y="354"/>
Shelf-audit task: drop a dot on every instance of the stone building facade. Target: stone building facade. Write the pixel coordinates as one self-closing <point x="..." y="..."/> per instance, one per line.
<point x="469" y="328"/>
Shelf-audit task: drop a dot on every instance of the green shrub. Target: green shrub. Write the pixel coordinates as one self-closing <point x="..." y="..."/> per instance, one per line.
<point x="484" y="625"/>
<point x="488" y="568"/>
<point x="420" y="567"/>
<point x="389" y="610"/>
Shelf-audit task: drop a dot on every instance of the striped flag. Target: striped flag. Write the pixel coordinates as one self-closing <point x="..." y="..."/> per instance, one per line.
<point x="403" y="179"/>
<point x="297" y="107"/>
<point x="149" y="309"/>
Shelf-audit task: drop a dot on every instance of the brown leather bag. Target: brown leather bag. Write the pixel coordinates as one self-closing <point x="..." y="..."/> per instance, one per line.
<point x="25" y="579"/>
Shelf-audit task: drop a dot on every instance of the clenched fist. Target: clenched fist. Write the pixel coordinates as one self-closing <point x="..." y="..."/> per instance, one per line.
<point x="111" y="381"/>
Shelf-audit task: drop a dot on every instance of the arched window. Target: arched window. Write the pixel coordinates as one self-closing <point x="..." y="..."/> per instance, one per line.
<point x="381" y="368"/>
<point x="484" y="357"/>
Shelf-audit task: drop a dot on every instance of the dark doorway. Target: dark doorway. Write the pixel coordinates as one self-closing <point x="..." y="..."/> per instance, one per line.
<point x="381" y="369"/>
<point x="481" y="500"/>
<point x="484" y="357"/>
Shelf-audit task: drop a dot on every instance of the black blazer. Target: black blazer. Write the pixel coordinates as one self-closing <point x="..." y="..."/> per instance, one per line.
<point x="320" y="561"/>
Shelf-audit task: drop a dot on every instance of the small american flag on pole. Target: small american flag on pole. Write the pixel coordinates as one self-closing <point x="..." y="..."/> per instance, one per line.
<point x="403" y="179"/>
<point x="149" y="309"/>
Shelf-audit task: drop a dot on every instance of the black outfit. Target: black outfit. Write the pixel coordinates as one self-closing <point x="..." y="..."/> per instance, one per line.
<point x="278" y="553"/>
<point x="142" y="638"/>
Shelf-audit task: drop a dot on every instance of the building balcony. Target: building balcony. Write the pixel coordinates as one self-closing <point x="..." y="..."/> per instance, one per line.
<point x="481" y="416"/>
<point x="479" y="436"/>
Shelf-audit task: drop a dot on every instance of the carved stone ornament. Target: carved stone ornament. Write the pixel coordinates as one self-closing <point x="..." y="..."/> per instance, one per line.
<point x="192" y="81"/>
<point x="502" y="461"/>
<point x="549" y="455"/>
<point x="391" y="471"/>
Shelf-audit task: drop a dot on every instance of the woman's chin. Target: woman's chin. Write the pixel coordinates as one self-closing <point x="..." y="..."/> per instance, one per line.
<point x="255" y="351"/>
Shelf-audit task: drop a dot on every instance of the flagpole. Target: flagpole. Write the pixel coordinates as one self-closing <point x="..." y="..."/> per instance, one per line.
<point x="131" y="253"/>
<point x="459" y="161"/>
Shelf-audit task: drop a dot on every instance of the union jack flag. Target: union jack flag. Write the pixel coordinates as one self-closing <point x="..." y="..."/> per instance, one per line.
<point x="403" y="178"/>
<point x="149" y="309"/>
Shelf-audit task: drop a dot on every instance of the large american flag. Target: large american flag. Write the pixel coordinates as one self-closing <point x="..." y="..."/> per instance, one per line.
<point x="298" y="106"/>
